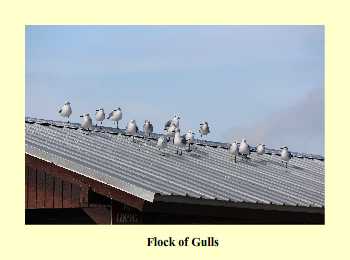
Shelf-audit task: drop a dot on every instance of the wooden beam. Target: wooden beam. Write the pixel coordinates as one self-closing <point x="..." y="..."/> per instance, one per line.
<point x="40" y="189"/>
<point x="84" y="197"/>
<point x="67" y="194"/>
<point x="83" y="181"/>
<point x="100" y="215"/>
<point x="26" y="183"/>
<point x="75" y="199"/>
<point x="57" y="197"/>
<point x="49" y="190"/>
<point x="31" y="188"/>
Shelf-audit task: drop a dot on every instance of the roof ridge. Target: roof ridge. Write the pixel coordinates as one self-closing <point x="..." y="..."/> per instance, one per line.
<point x="113" y="130"/>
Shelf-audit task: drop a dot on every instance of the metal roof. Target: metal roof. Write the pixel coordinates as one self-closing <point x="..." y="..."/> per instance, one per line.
<point x="108" y="155"/>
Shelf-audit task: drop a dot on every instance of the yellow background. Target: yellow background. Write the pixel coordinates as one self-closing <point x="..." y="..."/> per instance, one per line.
<point x="19" y="241"/>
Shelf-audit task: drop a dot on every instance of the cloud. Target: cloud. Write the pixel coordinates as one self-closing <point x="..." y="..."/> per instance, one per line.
<point x="299" y="126"/>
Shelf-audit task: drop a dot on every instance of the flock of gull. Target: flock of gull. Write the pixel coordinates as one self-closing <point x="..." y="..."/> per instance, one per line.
<point x="171" y="133"/>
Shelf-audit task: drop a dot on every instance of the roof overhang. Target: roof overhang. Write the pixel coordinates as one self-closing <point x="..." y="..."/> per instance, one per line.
<point x="109" y="186"/>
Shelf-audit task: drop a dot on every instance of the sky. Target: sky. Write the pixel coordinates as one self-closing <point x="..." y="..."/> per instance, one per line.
<point x="262" y="83"/>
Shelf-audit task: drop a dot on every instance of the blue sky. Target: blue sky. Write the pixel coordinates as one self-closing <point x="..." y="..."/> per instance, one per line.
<point x="264" y="83"/>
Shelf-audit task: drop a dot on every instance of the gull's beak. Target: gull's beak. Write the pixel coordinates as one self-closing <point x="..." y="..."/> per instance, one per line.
<point x="97" y="110"/>
<point x="81" y="116"/>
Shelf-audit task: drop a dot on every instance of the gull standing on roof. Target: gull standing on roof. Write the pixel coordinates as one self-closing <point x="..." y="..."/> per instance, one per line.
<point x="132" y="128"/>
<point x="66" y="110"/>
<point x="100" y="115"/>
<point x="87" y="121"/>
<point x="162" y="143"/>
<point x="189" y="138"/>
<point x="244" y="148"/>
<point x="204" y="129"/>
<point x="175" y="121"/>
<point x="179" y="141"/>
<point x="116" y="115"/>
<point x="147" y="128"/>
<point x="171" y="126"/>
<point x="285" y="155"/>
<point x="260" y="149"/>
<point x="233" y="150"/>
<point x="170" y="131"/>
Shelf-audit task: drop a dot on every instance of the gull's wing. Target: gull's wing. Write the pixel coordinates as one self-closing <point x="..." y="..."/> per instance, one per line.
<point x="109" y="115"/>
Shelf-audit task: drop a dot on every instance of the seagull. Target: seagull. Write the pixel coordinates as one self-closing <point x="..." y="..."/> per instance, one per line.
<point x="100" y="115"/>
<point x="66" y="110"/>
<point x="189" y="138"/>
<point x="234" y="150"/>
<point x="175" y="121"/>
<point x="204" y="129"/>
<point x="170" y="131"/>
<point x="260" y="149"/>
<point x="147" y="128"/>
<point x="179" y="141"/>
<point x="87" y="121"/>
<point x="285" y="155"/>
<point x="132" y="128"/>
<point x="116" y="115"/>
<point x="161" y="143"/>
<point x="244" y="149"/>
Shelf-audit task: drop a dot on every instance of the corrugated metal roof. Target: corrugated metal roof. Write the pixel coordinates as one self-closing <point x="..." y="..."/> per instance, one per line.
<point x="109" y="156"/>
